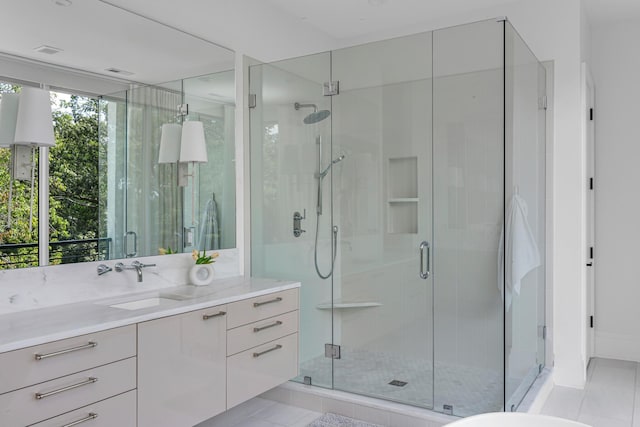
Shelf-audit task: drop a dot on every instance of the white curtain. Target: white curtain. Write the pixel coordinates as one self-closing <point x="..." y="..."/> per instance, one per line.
<point x="154" y="202"/>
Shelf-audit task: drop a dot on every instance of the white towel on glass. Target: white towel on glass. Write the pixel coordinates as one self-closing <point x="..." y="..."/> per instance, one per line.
<point x="520" y="250"/>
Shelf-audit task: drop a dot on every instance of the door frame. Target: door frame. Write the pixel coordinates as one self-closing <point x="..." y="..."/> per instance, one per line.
<point x="588" y="141"/>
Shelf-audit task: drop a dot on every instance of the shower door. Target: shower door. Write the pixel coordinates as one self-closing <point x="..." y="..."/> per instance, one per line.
<point x="383" y="294"/>
<point x="468" y="190"/>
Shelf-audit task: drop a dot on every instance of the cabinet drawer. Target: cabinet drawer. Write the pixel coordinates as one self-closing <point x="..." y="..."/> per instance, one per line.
<point x="261" y="368"/>
<point x="23" y="407"/>
<point x="64" y="357"/>
<point x="257" y="333"/>
<point x="258" y="308"/>
<point x="117" y="411"/>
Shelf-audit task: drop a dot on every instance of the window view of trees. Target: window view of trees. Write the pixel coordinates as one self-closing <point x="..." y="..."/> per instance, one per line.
<point x="74" y="216"/>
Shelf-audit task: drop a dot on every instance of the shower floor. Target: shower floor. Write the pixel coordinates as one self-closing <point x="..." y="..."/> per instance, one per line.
<point x="470" y="390"/>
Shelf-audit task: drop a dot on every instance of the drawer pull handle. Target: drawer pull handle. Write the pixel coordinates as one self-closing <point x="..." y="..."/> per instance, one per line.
<point x="90" y="344"/>
<point x="211" y="316"/>
<point x="262" y="328"/>
<point x="91" y="416"/>
<point x="271" y="301"/>
<point x="88" y="381"/>
<point x="277" y="347"/>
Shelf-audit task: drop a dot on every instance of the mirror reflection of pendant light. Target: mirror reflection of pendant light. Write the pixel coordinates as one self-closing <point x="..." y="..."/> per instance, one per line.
<point x="32" y="127"/>
<point x="182" y="144"/>
<point x="34" y="124"/>
<point x="170" y="143"/>
<point x="193" y="148"/>
<point x="8" y="117"/>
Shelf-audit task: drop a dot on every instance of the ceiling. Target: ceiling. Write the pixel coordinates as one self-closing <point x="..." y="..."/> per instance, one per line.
<point x="163" y="40"/>
<point x="95" y="36"/>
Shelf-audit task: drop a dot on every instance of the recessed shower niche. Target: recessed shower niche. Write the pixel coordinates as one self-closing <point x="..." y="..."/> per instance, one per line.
<point x="402" y="202"/>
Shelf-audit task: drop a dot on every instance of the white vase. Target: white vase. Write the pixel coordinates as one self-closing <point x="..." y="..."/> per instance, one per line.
<point x="201" y="274"/>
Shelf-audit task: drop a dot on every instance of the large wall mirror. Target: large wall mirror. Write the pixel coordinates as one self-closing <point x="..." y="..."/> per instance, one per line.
<point x="143" y="162"/>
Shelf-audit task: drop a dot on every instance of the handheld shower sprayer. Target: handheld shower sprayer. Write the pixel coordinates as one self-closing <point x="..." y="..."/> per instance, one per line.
<point x="328" y="168"/>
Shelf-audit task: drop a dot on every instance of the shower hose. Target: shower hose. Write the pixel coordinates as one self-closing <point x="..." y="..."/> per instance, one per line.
<point x="315" y="251"/>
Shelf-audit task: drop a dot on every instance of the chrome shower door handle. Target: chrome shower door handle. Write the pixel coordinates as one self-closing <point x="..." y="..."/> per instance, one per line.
<point x="425" y="274"/>
<point x="128" y="254"/>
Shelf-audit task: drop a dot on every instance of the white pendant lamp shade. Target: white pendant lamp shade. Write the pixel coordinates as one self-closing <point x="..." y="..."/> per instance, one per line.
<point x="8" y="116"/>
<point x="170" y="143"/>
<point x="34" y="124"/>
<point x="193" y="147"/>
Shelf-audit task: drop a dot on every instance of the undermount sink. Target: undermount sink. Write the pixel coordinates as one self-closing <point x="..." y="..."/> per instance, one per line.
<point x="145" y="301"/>
<point x="141" y="303"/>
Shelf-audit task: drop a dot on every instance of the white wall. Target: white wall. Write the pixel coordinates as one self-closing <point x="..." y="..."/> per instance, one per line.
<point x="615" y="67"/>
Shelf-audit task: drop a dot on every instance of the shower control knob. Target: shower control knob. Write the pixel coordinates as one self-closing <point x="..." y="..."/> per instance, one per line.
<point x="297" y="219"/>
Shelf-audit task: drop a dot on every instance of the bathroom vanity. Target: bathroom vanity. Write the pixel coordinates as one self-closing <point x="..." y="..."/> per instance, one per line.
<point x="173" y="357"/>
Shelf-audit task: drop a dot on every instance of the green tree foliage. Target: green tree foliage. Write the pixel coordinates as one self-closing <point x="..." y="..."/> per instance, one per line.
<point x="74" y="174"/>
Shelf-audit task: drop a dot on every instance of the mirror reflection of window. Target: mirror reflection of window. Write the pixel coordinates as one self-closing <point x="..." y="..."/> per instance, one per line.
<point x="109" y="196"/>
<point x="73" y="187"/>
<point x="74" y="192"/>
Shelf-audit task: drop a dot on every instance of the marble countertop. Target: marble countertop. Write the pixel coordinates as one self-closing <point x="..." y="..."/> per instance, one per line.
<point x="34" y="327"/>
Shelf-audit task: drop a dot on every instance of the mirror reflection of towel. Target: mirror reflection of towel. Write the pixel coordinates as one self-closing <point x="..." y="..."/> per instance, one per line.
<point x="209" y="236"/>
<point x="520" y="249"/>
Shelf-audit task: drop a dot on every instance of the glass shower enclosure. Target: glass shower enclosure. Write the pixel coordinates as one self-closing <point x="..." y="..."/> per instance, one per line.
<point x="402" y="182"/>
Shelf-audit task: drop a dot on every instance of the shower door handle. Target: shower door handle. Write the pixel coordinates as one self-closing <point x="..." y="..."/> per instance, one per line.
<point x="424" y="274"/>
<point x="134" y="235"/>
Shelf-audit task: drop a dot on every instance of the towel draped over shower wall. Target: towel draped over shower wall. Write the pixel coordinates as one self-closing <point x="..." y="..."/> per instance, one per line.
<point x="209" y="236"/>
<point x="518" y="247"/>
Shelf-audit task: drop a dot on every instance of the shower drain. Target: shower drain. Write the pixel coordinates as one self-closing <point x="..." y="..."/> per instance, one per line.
<point x="398" y="383"/>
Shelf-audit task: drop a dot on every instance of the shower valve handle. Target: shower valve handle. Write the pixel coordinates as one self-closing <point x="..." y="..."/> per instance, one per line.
<point x="297" y="219"/>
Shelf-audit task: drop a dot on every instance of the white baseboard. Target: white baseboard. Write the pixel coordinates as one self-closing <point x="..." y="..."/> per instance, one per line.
<point x="617" y="346"/>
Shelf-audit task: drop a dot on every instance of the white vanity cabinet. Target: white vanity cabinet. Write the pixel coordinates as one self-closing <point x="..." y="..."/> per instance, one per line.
<point x="173" y="371"/>
<point x="262" y="344"/>
<point x="42" y="382"/>
<point x="182" y="368"/>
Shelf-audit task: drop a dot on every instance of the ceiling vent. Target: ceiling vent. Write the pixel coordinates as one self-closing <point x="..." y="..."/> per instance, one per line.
<point x="120" y="72"/>
<point x="49" y="50"/>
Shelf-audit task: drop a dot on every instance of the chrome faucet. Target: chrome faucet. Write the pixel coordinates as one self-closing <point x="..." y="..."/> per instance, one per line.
<point x="135" y="265"/>
<point x="103" y="269"/>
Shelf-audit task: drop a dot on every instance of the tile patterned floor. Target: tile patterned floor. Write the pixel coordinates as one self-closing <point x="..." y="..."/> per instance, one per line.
<point x="469" y="390"/>
<point x="610" y="399"/>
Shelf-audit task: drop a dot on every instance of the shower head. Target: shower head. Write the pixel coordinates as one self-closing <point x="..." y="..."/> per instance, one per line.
<point x="316" y="116"/>
<point x="328" y="168"/>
